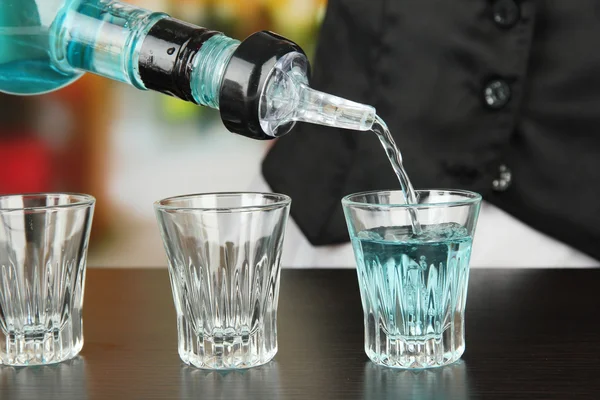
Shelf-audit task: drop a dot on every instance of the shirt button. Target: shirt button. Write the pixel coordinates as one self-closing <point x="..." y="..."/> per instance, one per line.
<point x="506" y="13"/>
<point x="504" y="179"/>
<point x="496" y="94"/>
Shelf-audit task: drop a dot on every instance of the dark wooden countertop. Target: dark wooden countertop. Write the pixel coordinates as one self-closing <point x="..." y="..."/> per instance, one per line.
<point x="531" y="334"/>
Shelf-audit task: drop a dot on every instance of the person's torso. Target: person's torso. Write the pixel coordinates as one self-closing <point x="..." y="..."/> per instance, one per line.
<point x="469" y="88"/>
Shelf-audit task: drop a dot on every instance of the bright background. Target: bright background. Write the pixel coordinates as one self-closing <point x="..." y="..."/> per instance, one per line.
<point x="130" y="148"/>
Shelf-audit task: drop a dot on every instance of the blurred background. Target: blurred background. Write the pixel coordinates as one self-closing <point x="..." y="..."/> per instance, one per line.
<point x="130" y="148"/>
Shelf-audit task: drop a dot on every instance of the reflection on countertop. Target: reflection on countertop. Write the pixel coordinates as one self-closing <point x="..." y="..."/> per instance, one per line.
<point x="254" y="383"/>
<point x="445" y="383"/>
<point x="66" y="380"/>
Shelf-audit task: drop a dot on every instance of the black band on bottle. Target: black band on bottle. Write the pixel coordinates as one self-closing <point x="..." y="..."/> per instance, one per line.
<point x="244" y="79"/>
<point x="166" y="56"/>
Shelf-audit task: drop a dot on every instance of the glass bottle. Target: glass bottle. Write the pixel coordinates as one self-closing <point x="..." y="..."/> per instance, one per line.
<point x="260" y="85"/>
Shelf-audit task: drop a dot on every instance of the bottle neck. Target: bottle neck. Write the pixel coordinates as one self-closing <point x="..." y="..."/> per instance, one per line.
<point x="260" y="86"/>
<point x="185" y="61"/>
<point x="148" y="50"/>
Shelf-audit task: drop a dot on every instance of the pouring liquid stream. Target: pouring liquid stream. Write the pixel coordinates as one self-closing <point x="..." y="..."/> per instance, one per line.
<point x="393" y="153"/>
<point x="288" y="98"/>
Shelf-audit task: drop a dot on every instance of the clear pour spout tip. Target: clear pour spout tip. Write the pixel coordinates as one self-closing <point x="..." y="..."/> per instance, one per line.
<point x="287" y="99"/>
<point x="326" y="109"/>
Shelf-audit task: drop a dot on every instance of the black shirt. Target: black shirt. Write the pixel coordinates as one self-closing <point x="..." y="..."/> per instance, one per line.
<point x="500" y="97"/>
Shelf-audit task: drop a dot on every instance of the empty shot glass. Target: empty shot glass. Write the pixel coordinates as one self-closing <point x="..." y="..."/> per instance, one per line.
<point x="413" y="285"/>
<point x="224" y="251"/>
<point x="43" y="249"/>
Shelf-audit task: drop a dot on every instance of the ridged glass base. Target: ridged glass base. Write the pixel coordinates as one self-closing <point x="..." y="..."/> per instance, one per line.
<point x="39" y="346"/>
<point x="430" y="352"/>
<point x="226" y="349"/>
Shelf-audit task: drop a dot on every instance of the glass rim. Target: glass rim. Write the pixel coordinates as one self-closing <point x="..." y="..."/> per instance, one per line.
<point x="469" y="197"/>
<point x="282" y="201"/>
<point x="82" y="200"/>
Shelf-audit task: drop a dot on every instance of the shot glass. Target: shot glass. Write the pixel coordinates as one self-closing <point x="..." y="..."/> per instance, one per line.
<point x="224" y="251"/>
<point x="43" y="249"/>
<point x="413" y="271"/>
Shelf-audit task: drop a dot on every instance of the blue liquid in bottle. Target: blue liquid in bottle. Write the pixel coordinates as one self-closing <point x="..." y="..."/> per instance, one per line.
<point x="25" y="65"/>
<point x="48" y="44"/>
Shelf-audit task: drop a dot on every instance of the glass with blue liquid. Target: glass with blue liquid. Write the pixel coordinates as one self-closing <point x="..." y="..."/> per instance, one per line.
<point x="413" y="284"/>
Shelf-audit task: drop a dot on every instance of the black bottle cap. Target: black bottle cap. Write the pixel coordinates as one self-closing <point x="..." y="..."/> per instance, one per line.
<point x="166" y="56"/>
<point x="244" y="79"/>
